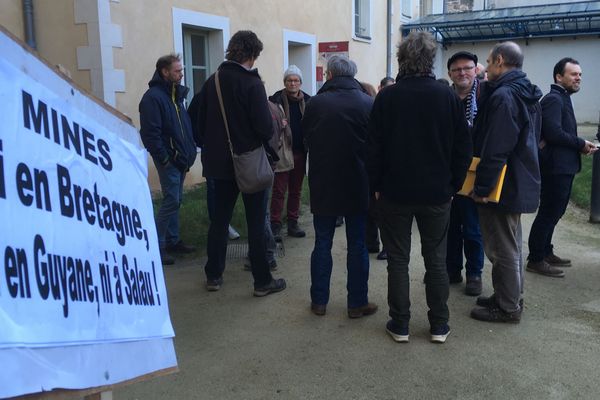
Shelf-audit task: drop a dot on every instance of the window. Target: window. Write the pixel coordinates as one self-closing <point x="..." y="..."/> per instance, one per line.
<point x="362" y="19"/>
<point x="406" y="9"/>
<point x="195" y="59"/>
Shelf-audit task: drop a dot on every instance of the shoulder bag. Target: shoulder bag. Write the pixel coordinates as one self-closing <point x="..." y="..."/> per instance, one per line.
<point x="252" y="170"/>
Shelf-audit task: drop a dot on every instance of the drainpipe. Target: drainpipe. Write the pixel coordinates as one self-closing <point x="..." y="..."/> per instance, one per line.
<point x="595" y="199"/>
<point x="388" y="56"/>
<point x="29" y="24"/>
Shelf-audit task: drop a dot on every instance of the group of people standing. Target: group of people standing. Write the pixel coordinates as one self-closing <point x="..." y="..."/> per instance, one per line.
<point x="393" y="157"/>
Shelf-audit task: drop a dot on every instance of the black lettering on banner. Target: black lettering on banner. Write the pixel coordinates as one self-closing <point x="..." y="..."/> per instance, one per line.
<point x="26" y="183"/>
<point x="138" y="284"/>
<point x="2" y="180"/>
<point x="66" y="133"/>
<point x="16" y="272"/>
<point x="40" y="118"/>
<point x="105" y="282"/>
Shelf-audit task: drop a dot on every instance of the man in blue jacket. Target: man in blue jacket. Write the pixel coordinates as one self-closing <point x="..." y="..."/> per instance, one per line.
<point x="166" y="132"/>
<point x="506" y="132"/>
<point x="560" y="160"/>
<point x="335" y="126"/>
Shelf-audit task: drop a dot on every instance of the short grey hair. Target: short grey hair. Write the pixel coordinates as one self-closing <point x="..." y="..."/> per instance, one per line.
<point x="416" y="53"/>
<point x="511" y="54"/>
<point x="341" y="66"/>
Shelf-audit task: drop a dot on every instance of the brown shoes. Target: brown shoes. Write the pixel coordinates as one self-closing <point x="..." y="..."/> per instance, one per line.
<point x="318" y="309"/>
<point x="363" y="311"/>
<point x="556" y="261"/>
<point x="543" y="268"/>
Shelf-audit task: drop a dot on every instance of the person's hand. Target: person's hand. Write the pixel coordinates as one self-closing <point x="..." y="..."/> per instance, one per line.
<point x="589" y="148"/>
<point x="477" y="199"/>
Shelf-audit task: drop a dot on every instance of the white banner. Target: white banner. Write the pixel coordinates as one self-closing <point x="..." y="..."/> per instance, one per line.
<point x="78" y="248"/>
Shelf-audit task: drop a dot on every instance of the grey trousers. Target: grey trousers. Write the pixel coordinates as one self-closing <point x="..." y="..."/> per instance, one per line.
<point x="503" y="245"/>
<point x="395" y="226"/>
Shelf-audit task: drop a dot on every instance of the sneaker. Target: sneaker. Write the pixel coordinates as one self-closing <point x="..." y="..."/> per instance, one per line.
<point x="276" y="285"/>
<point x="181" y="248"/>
<point x="397" y="331"/>
<point x="490" y="301"/>
<point x="382" y="255"/>
<point x="233" y="234"/>
<point x="276" y="229"/>
<point x="439" y="334"/>
<point x="556" y="261"/>
<point x="496" y="314"/>
<point x="294" y="230"/>
<point x="473" y="286"/>
<point x="339" y="221"/>
<point x="166" y="258"/>
<point x="214" y="285"/>
<point x="543" y="268"/>
<point x="318" y="309"/>
<point x="367" y="309"/>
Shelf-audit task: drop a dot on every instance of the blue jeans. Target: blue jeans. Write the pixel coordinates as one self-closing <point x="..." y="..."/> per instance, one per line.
<point x="225" y="194"/>
<point x="464" y="232"/>
<point x="167" y="220"/>
<point x="357" y="261"/>
<point x="554" y="198"/>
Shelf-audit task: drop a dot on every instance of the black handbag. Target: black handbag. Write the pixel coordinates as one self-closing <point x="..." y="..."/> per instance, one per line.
<point x="252" y="170"/>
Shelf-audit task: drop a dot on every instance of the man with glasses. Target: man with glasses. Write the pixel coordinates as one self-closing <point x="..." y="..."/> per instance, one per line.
<point x="293" y="101"/>
<point x="464" y="232"/>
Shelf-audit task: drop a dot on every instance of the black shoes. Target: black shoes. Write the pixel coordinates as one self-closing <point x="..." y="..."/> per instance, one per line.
<point x="276" y="229"/>
<point x="490" y="301"/>
<point x="496" y="314"/>
<point x="214" y="285"/>
<point x="543" y="268"/>
<point x="166" y="258"/>
<point x="276" y="285"/>
<point x="398" y="332"/>
<point x="473" y="286"/>
<point x="382" y="255"/>
<point x="294" y="230"/>
<point x="180" y="248"/>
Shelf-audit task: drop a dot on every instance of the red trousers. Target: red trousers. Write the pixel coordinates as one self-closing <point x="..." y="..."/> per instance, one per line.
<point x="290" y="181"/>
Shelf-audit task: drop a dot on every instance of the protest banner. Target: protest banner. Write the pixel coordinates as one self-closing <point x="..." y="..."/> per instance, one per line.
<point x="83" y="301"/>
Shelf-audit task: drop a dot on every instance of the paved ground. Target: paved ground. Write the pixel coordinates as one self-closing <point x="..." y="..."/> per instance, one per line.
<point x="233" y="346"/>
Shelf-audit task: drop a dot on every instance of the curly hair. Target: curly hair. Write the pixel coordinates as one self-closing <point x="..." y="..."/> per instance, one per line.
<point x="243" y="46"/>
<point x="416" y="53"/>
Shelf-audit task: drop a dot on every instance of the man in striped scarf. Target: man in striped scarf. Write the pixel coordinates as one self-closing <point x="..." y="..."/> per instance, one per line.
<point x="464" y="232"/>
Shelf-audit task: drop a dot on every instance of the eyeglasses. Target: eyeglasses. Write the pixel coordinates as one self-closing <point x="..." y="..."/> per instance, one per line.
<point x="292" y="80"/>
<point x="463" y="69"/>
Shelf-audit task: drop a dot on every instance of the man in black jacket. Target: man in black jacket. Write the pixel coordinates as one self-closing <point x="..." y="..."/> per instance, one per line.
<point x="560" y="160"/>
<point x="335" y="126"/>
<point x="506" y="132"/>
<point x="250" y="126"/>
<point x="419" y="152"/>
<point x="166" y="132"/>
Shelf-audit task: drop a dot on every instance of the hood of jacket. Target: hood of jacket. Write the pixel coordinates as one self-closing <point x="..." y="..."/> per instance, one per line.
<point x="517" y="80"/>
<point x="158" y="81"/>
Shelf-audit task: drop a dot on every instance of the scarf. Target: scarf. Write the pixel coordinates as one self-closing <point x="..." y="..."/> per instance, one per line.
<point x="471" y="103"/>
<point x="286" y="98"/>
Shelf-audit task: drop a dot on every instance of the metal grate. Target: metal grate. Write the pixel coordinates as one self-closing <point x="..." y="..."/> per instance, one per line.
<point x="239" y="249"/>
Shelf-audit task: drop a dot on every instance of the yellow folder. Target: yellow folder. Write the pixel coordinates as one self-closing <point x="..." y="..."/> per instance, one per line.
<point x="467" y="187"/>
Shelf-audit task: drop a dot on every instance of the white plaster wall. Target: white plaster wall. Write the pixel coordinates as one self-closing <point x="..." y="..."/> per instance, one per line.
<point x="540" y="57"/>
